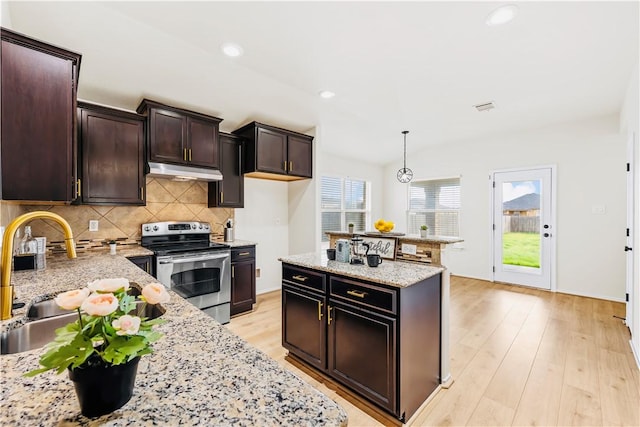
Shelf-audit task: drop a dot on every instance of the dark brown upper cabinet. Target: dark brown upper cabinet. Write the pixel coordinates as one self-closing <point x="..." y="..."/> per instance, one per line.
<point x="228" y="193"/>
<point x="39" y="85"/>
<point x="274" y="153"/>
<point x="181" y="136"/>
<point x="112" y="152"/>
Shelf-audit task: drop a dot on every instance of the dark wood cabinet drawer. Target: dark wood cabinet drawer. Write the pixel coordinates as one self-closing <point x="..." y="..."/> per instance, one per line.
<point x="303" y="277"/>
<point x="238" y="254"/>
<point x="363" y="294"/>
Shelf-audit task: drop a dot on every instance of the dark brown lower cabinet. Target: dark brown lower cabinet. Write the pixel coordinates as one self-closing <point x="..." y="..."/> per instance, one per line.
<point x="145" y="262"/>
<point x="243" y="279"/>
<point x="304" y="329"/>
<point x="382" y="342"/>
<point x="362" y="347"/>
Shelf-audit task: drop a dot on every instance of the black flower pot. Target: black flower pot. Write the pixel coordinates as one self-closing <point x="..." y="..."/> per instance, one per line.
<point x="101" y="389"/>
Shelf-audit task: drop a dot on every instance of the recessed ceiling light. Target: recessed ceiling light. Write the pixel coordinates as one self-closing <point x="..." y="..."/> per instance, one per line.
<point x="232" y="49"/>
<point x="502" y="15"/>
<point x="326" y="94"/>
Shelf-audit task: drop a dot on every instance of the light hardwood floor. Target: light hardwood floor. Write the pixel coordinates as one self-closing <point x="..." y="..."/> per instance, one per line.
<point x="519" y="356"/>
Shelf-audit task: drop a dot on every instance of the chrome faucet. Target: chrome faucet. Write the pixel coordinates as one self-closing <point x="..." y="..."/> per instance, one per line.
<point x="6" y="289"/>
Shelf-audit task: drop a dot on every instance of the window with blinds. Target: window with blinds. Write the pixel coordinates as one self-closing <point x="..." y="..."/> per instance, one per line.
<point x="436" y="204"/>
<point x="343" y="201"/>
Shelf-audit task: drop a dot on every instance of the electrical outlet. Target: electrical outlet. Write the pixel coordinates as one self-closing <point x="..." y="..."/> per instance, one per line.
<point x="93" y="225"/>
<point x="257" y="272"/>
<point x="598" y="209"/>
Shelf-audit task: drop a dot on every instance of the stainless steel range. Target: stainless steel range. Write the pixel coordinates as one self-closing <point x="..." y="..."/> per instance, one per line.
<point x="190" y="265"/>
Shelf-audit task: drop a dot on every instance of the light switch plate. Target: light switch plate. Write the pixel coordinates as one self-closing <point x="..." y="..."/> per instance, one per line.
<point x="93" y="225"/>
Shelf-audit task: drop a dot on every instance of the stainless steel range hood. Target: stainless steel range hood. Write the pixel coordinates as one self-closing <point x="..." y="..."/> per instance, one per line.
<point x="183" y="173"/>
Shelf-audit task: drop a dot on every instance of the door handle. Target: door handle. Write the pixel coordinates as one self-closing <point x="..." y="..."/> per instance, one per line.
<point x="79" y="187"/>
<point x="290" y="166"/>
<point x="190" y="154"/>
<point x="285" y="165"/>
<point x="329" y="319"/>
<point x="184" y="154"/>
<point x="233" y="271"/>
<point x="319" y="310"/>
<point x="627" y="249"/>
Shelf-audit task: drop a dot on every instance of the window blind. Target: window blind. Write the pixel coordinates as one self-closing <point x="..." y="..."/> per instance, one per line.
<point x="343" y="201"/>
<point x="435" y="203"/>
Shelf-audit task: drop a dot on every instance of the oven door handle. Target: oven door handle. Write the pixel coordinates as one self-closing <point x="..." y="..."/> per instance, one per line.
<point x="193" y="259"/>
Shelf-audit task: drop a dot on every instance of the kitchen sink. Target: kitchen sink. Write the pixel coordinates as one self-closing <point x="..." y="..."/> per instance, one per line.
<point x="49" y="308"/>
<point x="38" y="332"/>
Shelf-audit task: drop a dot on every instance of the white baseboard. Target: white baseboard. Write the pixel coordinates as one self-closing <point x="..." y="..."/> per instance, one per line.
<point x="264" y="291"/>
<point x="588" y="295"/>
<point x="635" y="354"/>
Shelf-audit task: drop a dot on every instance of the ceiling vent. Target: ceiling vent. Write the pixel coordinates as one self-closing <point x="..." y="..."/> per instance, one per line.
<point x="485" y="106"/>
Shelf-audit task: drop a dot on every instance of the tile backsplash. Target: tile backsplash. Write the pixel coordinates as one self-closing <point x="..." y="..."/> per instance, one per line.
<point x="166" y="200"/>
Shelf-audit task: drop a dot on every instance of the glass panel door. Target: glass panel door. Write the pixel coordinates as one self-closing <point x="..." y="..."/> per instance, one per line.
<point x="522" y="227"/>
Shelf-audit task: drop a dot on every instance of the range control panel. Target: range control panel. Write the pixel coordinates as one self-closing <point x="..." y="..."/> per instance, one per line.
<point x="174" y="227"/>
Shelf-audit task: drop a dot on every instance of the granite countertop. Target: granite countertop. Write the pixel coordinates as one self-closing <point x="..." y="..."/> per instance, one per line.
<point x="200" y="373"/>
<point x="405" y="238"/>
<point x="393" y="273"/>
<point x="237" y="243"/>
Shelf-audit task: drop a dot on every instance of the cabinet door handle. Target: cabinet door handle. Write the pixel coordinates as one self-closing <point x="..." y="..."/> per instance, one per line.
<point x="329" y="318"/>
<point x="79" y="187"/>
<point x="184" y="154"/>
<point x="233" y="271"/>
<point x="319" y="310"/>
<point x="222" y="197"/>
<point x="290" y="166"/>
<point x="300" y="278"/>
<point x="359" y="294"/>
<point x="190" y="154"/>
<point x="240" y="160"/>
<point x="285" y="165"/>
<point x="141" y="193"/>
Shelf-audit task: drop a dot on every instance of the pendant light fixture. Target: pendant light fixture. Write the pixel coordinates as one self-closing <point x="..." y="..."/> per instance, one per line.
<point x="405" y="174"/>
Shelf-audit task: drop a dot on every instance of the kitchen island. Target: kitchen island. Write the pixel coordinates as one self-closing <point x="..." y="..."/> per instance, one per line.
<point x="378" y="331"/>
<point x="200" y="373"/>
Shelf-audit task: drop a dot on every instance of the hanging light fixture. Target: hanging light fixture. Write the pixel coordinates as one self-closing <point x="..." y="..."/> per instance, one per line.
<point x="405" y="174"/>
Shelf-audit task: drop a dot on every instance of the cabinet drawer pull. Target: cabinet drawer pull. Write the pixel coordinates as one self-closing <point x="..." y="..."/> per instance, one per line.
<point x="359" y="294"/>
<point x="329" y="318"/>
<point x="319" y="310"/>
<point x="244" y="253"/>
<point x="300" y="278"/>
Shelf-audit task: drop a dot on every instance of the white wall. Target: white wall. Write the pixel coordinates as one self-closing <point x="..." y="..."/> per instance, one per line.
<point x="264" y="220"/>
<point x="590" y="158"/>
<point x="331" y="164"/>
<point x="629" y="123"/>
<point x="303" y="206"/>
<point x="5" y="17"/>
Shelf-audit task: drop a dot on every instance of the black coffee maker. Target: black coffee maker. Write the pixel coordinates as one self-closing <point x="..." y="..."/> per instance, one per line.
<point x="357" y="246"/>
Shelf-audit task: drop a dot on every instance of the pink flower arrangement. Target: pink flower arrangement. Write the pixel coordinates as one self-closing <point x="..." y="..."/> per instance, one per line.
<point x="108" y="331"/>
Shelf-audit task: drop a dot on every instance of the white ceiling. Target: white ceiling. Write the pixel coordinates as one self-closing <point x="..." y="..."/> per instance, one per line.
<point x="418" y="66"/>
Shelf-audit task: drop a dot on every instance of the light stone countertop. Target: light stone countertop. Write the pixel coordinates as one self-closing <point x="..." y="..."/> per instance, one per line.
<point x="405" y="237"/>
<point x="200" y="373"/>
<point x="393" y="273"/>
<point x="237" y="243"/>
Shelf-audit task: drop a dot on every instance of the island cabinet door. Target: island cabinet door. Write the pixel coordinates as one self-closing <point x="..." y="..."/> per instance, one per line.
<point x="362" y="352"/>
<point x="303" y="325"/>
